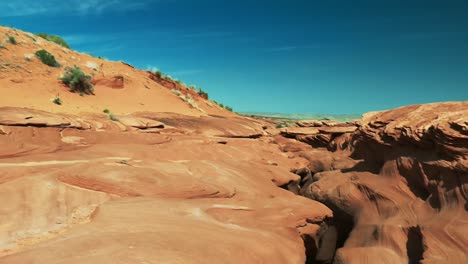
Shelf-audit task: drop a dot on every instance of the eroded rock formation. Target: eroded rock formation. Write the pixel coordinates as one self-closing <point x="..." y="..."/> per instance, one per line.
<point x="398" y="179"/>
<point x="149" y="188"/>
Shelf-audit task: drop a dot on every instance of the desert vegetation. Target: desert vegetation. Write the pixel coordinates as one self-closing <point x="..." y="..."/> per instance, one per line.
<point x="281" y="125"/>
<point x="158" y="74"/>
<point x="47" y="58"/>
<point x="113" y="117"/>
<point x="56" y="100"/>
<point x="187" y="97"/>
<point x="56" y="39"/>
<point x="224" y="106"/>
<point x="202" y="93"/>
<point x="77" y="80"/>
<point x="110" y="115"/>
<point x="12" y="40"/>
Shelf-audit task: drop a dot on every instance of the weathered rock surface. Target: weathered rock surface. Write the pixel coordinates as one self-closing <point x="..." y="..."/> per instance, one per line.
<point x="318" y="136"/>
<point x="116" y="82"/>
<point x="317" y="123"/>
<point x="398" y="184"/>
<point x="13" y="116"/>
<point x="90" y="190"/>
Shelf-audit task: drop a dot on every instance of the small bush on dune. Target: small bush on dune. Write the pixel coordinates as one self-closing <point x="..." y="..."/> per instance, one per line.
<point x="113" y="117"/>
<point x="47" y="58"/>
<point x="12" y="40"/>
<point x="54" y="38"/>
<point x="77" y="80"/>
<point x="202" y="93"/>
<point x="158" y="74"/>
<point x="224" y="106"/>
<point x="56" y="100"/>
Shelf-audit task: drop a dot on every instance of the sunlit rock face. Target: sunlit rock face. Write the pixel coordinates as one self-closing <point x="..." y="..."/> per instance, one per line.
<point x="146" y="170"/>
<point x="398" y="181"/>
<point x="147" y="188"/>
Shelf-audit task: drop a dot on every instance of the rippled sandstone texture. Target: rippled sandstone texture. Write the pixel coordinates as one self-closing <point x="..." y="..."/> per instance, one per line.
<point x="185" y="190"/>
<point x="396" y="181"/>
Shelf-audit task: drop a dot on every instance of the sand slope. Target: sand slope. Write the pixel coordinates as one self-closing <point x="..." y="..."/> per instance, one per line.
<point x="26" y="82"/>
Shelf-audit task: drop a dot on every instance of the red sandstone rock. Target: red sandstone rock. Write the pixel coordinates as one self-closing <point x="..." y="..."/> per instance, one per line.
<point x="116" y="82"/>
<point x="74" y="191"/>
<point x="405" y="196"/>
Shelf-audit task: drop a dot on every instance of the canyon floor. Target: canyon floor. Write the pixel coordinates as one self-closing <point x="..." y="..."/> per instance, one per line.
<point x="175" y="178"/>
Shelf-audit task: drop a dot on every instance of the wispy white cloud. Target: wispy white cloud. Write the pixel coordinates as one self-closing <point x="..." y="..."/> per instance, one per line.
<point x="280" y="49"/>
<point x="82" y="7"/>
<point x="208" y="34"/>
<point x="291" y="48"/>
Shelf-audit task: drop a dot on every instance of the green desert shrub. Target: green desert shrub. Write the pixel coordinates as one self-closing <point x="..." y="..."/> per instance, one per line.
<point x="12" y="40"/>
<point x="113" y="117"/>
<point x="47" y="58"/>
<point x="77" y="80"/>
<point x="56" y="100"/>
<point x="284" y="124"/>
<point x="54" y="38"/>
<point x="158" y="74"/>
<point x="202" y="93"/>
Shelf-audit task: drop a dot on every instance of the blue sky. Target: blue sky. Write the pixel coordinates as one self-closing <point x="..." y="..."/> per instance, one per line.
<point x="337" y="57"/>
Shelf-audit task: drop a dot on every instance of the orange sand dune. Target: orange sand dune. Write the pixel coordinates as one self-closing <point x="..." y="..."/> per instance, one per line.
<point x="26" y="82"/>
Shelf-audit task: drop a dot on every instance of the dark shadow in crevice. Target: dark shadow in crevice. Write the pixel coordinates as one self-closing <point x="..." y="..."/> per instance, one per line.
<point x="310" y="249"/>
<point x="414" y="245"/>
